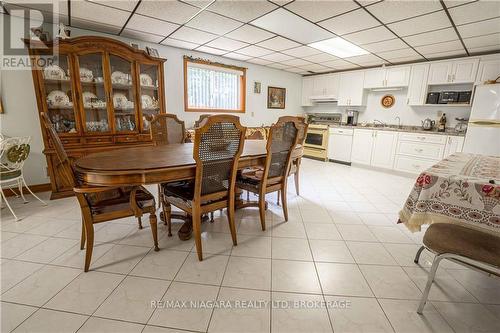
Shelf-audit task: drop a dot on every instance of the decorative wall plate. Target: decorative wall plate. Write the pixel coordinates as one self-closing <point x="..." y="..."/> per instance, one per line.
<point x="86" y="74"/>
<point x="387" y="101"/>
<point x="58" y="98"/>
<point x="146" y="80"/>
<point x="54" y="72"/>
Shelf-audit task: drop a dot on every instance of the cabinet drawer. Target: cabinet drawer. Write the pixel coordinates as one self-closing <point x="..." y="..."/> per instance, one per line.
<point x="419" y="137"/>
<point x="412" y="164"/>
<point x="341" y="131"/>
<point x="67" y="141"/>
<point x="125" y="139"/>
<point x="99" y="140"/>
<point x="424" y="150"/>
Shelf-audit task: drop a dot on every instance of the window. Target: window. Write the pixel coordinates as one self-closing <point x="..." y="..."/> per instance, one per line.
<point x="213" y="87"/>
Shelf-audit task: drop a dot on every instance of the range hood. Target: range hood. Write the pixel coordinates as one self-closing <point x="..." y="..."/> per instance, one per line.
<point x="323" y="99"/>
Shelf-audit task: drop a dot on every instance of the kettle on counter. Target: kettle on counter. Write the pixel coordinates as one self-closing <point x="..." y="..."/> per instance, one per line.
<point x="428" y="124"/>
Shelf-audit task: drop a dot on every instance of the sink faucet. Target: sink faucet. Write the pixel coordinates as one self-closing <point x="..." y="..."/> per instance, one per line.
<point x="399" y="121"/>
<point x="380" y="122"/>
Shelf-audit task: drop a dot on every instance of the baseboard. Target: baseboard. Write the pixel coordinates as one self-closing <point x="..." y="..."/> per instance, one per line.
<point x="35" y="188"/>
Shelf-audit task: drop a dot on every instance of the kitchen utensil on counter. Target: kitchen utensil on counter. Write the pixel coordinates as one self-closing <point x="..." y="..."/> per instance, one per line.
<point x="461" y="126"/>
<point x="428" y="124"/>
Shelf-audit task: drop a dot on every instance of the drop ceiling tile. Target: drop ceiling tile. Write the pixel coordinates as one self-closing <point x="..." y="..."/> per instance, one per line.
<point x="277" y="65"/>
<point x="151" y="25"/>
<point x="340" y="64"/>
<point x="365" y="3"/>
<point x="315" y="68"/>
<point x="281" y="2"/>
<point x="392" y="11"/>
<point x="320" y="10"/>
<point x="125" y="5"/>
<point x="172" y="11"/>
<point x="295" y="70"/>
<point x="433" y="37"/>
<point x="390" y="55"/>
<point x="101" y="15"/>
<point x="377" y="34"/>
<point x="322" y="57"/>
<point x="482" y="41"/>
<point x="259" y="61"/>
<point x="419" y="24"/>
<point x="475" y="11"/>
<point x="237" y="56"/>
<point x="388" y="45"/>
<point x="254" y="51"/>
<point x="406" y="59"/>
<point x="287" y="24"/>
<point x="480" y="28"/>
<point x="148" y="37"/>
<point x="180" y="43"/>
<point x="296" y="62"/>
<point x="278" y="44"/>
<point x="484" y="49"/>
<point x="445" y="54"/>
<point x="366" y="60"/>
<point x="228" y="44"/>
<point x="198" y="3"/>
<point x="454" y="3"/>
<point x="302" y="51"/>
<point x="210" y="50"/>
<point x="13" y="7"/>
<point x="350" y="22"/>
<point x="213" y="23"/>
<point x="94" y="26"/>
<point x="277" y="57"/>
<point x="192" y="35"/>
<point x="440" y="47"/>
<point x="249" y="34"/>
<point x="244" y="11"/>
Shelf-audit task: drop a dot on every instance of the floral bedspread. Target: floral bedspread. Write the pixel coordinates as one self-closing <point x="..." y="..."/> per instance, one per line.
<point x="462" y="188"/>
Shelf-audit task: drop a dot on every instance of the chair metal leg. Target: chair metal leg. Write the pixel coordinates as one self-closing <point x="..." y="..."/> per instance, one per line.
<point x="419" y="252"/>
<point x="20" y="188"/>
<point x="33" y="194"/>
<point x="4" y="198"/>
<point x="432" y="274"/>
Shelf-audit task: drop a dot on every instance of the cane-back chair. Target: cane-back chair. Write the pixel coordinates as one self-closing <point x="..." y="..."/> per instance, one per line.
<point x="273" y="177"/>
<point x="101" y="204"/>
<point x="217" y="148"/>
<point x="198" y="122"/>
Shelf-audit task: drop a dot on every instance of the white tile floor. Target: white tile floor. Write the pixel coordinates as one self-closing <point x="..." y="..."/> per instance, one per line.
<point x="341" y="245"/>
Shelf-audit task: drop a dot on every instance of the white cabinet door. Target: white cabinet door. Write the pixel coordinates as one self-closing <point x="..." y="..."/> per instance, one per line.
<point x="344" y="89"/>
<point x="307" y="90"/>
<point x="332" y="85"/>
<point x="454" y="144"/>
<point x="357" y="93"/>
<point x="440" y="72"/>
<point x="417" y="88"/>
<point x="396" y="76"/>
<point x="384" y="149"/>
<point x="374" y="78"/>
<point x="319" y="85"/>
<point x="362" y="143"/>
<point x="488" y="70"/>
<point x="464" y="71"/>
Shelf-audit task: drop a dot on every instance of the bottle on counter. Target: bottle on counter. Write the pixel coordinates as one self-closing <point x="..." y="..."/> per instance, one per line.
<point x="442" y="123"/>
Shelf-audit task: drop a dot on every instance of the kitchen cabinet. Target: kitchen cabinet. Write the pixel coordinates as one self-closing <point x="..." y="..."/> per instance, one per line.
<point x="340" y="144"/>
<point x="326" y="85"/>
<point x="351" y="91"/>
<point x="458" y="71"/>
<point x="387" y="77"/>
<point x="488" y="70"/>
<point x="453" y="144"/>
<point x="417" y="87"/>
<point x="362" y="144"/>
<point x="307" y="90"/>
<point x="384" y="148"/>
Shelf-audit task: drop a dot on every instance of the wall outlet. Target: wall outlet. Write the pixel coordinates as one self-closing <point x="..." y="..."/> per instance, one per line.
<point x="253" y="114"/>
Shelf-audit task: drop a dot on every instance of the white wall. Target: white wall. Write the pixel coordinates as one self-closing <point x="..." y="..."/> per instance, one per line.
<point x="21" y="114"/>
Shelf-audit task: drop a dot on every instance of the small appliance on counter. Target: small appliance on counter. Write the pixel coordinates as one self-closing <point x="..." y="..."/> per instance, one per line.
<point x="461" y="126"/>
<point x="428" y="124"/>
<point x="352" y="117"/>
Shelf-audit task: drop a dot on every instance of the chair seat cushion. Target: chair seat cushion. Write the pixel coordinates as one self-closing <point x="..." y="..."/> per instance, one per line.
<point x="180" y="189"/>
<point x="471" y="243"/>
<point x="250" y="177"/>
<point x="119" y="199"/>
<point x="6" y="174"/>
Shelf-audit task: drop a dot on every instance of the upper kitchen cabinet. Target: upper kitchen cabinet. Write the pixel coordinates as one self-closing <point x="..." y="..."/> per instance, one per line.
<point x="307" y="90"/>
<point x="351" y="89"/>
<point x="459" y="71"/>
<point x="387" y="77"/>
<point x="417" y="87"/>
<point x="488" y="70"/>
<point x="326" y="85"/>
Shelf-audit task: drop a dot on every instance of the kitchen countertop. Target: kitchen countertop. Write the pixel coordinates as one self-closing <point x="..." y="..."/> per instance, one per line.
<point x="403" y="128"/>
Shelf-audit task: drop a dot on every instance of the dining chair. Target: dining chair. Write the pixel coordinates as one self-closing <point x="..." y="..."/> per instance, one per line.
<point x="14" y="151"/>
<point x="273" y="176"/>
<point x="218" y="145"/>
<point x="102" y="204"/>
<point x="473" y="248"/>
<point x="200" y="119"/>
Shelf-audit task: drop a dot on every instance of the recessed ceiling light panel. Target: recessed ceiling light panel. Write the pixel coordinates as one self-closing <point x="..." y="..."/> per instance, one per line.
<point x="339" y="47"/>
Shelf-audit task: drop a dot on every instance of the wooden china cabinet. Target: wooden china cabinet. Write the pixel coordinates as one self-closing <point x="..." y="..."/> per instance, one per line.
<point x="101" y="107"/>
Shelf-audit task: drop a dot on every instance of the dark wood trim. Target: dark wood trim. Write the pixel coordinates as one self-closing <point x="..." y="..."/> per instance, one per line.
<point x="35" y="188"/>
<point x="243" y="90"/>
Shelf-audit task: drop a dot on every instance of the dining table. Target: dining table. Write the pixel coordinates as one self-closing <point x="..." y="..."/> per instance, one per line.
<point x="462" y="188"/>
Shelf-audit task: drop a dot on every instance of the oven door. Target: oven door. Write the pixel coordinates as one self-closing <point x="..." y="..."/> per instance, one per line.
<point x="316" y="138"/>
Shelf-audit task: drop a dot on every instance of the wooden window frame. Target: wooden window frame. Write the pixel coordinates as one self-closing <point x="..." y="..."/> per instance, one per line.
<point x="243" y="89"/>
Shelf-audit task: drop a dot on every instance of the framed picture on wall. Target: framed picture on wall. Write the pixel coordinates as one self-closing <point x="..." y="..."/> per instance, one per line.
<point x="257" y="87"/>
<point x="276" y="97"/>
<point x="152" y="52"/>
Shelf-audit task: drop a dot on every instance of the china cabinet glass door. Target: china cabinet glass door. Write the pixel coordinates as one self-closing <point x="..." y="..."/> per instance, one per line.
<point x="149" y="91"/>
<point x="93" y="88"/>
<point x="59" y="94"/>
<point x="123" y="94"/>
